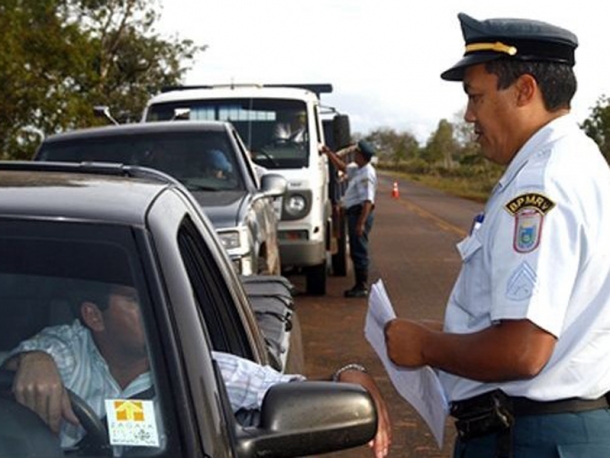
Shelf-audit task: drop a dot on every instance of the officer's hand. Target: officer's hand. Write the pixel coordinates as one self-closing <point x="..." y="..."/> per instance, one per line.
<point x="405" y="340"/>
<point x="38" y="385"/>
<point x="324" y="149"/>
<point x="360" y="229"/>
<point x="383" y="438"/>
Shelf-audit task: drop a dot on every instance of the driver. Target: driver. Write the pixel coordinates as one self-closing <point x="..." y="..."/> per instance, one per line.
<point x="103" y="356"/>
<point x="291" y="128"/>
<point x="218" y="165"/>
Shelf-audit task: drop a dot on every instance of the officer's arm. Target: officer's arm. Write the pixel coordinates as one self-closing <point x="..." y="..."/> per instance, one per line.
<point x="511" y="350"/>
<point x="336" y="160"/>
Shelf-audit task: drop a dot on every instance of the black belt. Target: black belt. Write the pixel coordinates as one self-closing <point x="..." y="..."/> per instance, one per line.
<point x="524" y="406"/>
<point x="520" y="406"/>
<point x="357" y="209"/>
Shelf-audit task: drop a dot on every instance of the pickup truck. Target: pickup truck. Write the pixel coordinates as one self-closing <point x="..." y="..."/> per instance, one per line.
<point x="66" y="228"/>
<point x="210" y="159"/>
<point x="283" y="126"/>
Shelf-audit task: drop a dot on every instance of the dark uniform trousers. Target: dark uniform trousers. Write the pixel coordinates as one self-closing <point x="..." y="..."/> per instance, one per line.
<point x="359" y="246"/>
<point x="571" y="428"/>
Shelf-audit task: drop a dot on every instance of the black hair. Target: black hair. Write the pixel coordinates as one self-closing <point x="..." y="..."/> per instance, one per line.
<point x="91" y="291"/>
<point x="557" y="81"/>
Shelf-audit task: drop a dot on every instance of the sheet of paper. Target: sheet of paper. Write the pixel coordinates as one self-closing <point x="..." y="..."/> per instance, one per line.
<point x="419" y="387"/>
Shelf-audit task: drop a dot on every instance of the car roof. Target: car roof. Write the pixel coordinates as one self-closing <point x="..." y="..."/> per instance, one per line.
<point x="140" y="128"/>
<point x="78" y="192"/>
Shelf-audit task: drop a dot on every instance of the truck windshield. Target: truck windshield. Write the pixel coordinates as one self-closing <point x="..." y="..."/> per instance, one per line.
<point x="274" y="130"/>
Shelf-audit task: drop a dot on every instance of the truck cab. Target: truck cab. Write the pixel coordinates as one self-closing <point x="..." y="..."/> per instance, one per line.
<point x="282" y="126"/>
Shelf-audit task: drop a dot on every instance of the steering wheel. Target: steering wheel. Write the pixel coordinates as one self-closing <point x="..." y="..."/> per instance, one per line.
<point x="96" y="439"/>
<point x="267" y="157"/>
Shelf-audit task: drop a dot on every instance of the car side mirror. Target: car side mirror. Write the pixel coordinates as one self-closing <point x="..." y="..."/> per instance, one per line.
<point x="307" y="418"/>
<point x="273" y="185"/>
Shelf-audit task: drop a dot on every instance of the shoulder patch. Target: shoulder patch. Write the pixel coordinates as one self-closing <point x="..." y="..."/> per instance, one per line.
<point x="531" y="200"/>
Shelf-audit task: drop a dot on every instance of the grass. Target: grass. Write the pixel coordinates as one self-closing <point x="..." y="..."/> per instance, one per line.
<point x="473" y="186"/>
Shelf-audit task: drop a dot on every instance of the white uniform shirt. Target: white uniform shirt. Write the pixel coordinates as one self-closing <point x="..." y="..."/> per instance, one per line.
<point x="542" y="253"/>
<point x="361" y="185"/>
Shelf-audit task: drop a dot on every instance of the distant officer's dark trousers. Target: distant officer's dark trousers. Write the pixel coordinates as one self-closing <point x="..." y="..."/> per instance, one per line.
<point x="561" y="435"/>
<point x="359" y="245"/>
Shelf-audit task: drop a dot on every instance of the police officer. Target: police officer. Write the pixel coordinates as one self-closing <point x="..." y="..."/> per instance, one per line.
<point x="523" y="354"/>
<point x="359" y="202"/>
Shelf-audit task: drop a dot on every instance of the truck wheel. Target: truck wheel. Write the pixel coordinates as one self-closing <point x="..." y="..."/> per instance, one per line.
<point x="315" y="280"/>
<point x="339" y="259"/>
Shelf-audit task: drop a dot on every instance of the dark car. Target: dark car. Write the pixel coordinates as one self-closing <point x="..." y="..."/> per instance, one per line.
<point x="65" y="227"/>
<point x="210" y="159"/>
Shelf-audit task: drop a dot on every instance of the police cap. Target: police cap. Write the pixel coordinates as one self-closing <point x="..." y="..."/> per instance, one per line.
<point x="366" y="149"/>
<point x="519" y="39"/>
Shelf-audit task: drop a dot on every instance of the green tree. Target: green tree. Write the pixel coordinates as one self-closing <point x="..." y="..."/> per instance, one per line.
<point x="441" y="145"/>
<point x="597" y="125"/>
<point x="394" y="146"/>
<point x="61" y="57"/>
<point x="468" y="151"/>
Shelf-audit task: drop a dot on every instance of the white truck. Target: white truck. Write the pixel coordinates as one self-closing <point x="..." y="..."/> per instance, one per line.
<point x="283" y="127"/>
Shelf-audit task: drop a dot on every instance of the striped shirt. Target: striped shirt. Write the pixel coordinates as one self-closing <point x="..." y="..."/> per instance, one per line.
<point x="85" y="372"/>
<point x="247" y="382"/>
<point x="82" y="369"/>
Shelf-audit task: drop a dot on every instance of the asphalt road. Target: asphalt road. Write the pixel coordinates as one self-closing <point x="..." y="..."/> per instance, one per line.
<point x="413" y="251"/>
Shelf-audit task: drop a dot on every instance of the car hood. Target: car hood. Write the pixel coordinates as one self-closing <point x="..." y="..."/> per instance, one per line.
<point x="223" y="208"/>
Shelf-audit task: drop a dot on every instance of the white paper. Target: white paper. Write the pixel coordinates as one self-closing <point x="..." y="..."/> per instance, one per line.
<point x="419" y="387"/>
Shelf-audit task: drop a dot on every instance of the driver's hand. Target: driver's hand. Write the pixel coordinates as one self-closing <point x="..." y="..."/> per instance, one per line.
<point x="383" y="438"/>
<point x="38" y="385"/>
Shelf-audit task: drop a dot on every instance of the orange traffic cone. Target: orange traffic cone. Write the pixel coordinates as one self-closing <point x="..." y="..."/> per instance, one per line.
<point x="395" y="193"/>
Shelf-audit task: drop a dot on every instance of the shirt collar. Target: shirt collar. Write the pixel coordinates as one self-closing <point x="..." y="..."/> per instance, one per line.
<point x="548" y="133"/>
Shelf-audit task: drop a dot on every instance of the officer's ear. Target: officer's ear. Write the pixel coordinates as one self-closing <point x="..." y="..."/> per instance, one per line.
<point x="527" y="88"/>
<point x="91" y="316"/>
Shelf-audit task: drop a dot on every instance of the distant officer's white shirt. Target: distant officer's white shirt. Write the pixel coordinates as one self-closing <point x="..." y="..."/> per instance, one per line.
<point x="361" y="184"/>
<point x="542" y="253"/>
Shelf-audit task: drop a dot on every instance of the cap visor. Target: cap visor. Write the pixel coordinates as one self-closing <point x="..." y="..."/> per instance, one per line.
<point x="456" y="73"/>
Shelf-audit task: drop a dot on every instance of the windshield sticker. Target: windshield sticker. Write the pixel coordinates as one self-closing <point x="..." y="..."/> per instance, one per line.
<point x="132" y="422"/>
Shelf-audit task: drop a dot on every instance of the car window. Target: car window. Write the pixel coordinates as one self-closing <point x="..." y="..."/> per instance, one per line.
<point x="75" y="293"/>
<point x="202" y="160"/>
<point x="213" y="299"/>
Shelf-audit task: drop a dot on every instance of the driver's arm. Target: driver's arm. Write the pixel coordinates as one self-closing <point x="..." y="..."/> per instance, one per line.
<point x="38" y="385"/>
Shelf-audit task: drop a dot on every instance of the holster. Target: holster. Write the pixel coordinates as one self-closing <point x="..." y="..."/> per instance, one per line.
<point x="490" y="413"/>
<point x="482" y="415"/>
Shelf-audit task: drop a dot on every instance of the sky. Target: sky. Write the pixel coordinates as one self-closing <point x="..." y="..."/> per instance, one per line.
<point x="383" y="57"/>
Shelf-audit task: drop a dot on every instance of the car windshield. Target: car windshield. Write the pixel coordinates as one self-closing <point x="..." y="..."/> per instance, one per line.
<point x="202" y="161"/>
<point x="73" y="293"/>
<point x="274" y="130"/>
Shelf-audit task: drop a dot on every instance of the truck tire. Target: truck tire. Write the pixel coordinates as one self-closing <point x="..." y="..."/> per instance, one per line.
<point x="315" y="280"/>
<point x="340" y="258"/>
